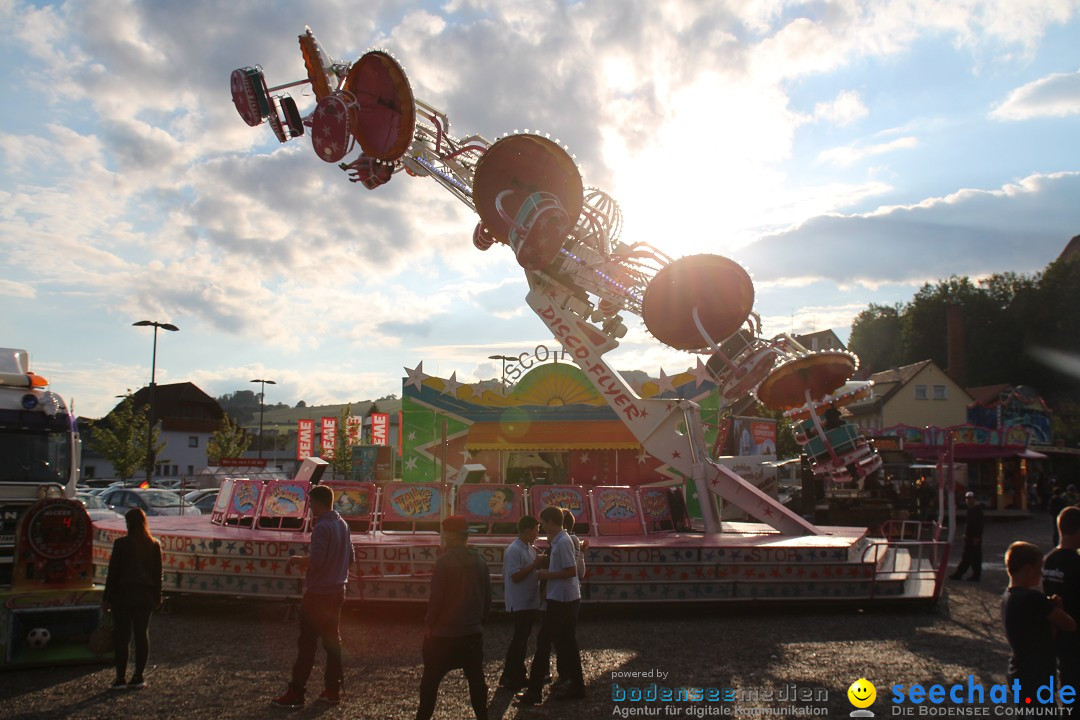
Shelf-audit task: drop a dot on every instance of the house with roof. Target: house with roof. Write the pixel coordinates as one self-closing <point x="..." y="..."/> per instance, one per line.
<point x="820" y="340"/>
<point x="916" y="395"/>
<point x="186" y="418"/>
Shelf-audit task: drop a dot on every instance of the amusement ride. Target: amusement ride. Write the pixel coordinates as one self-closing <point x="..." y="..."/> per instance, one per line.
<point x="529" y="196"/>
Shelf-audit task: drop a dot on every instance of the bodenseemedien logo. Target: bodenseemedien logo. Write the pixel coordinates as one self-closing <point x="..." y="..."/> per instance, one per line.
<point x="862" y="694"/>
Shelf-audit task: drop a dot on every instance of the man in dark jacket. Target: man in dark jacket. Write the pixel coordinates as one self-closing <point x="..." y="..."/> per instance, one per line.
<point x="453" y="633"/>
<point x="973" y="532"/>
<point x="326" y="574"/>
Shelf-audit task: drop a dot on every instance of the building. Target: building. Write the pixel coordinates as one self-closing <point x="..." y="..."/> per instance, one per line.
<point x="186" y="418"/>
<point x="820" y="340"/>
<point x="916" y="395"/>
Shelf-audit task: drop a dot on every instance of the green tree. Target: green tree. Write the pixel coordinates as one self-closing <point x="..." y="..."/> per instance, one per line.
<point x="875" y="337"/>
<point x="241" y="404"/>
<point x="120" y="437"/>
<point x="230" y="440"/>
<point x="341" y="463"/>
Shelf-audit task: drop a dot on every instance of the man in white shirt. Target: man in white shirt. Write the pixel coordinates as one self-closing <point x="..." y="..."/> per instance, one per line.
<point x="560" y="620"/>
<point x="522" y="595"/>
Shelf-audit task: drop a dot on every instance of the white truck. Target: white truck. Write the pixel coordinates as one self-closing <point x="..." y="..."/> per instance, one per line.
<point x="39" y="447"/>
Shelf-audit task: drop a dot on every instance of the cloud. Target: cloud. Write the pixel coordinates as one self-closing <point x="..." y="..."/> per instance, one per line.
<point x="1019" y="227"/>
<point x="845" y="109"/>
<point x="133" y="187"/>
<point x="12" y="288"/>
<point x="1056" y="95"/>
<point x="851" y="154"/>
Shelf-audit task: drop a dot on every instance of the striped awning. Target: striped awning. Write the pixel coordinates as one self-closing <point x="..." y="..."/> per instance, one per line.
<point x="553" y="436"/>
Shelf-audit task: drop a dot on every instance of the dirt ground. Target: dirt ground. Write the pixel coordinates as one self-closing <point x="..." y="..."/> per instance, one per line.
<point x="226" y="659"/>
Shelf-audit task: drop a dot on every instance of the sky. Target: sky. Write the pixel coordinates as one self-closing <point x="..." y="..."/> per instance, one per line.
<point x="844" y="152"/>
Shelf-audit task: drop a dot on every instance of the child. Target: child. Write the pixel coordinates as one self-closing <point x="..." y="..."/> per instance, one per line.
<point x="1061" y="576"/>
<point x="1029" y="618"/>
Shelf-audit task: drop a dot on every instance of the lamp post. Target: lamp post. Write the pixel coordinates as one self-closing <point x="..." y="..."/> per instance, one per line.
<point x="504" y="358"/>
<point x="150" y="402"/>
<point x="262" y="404"/>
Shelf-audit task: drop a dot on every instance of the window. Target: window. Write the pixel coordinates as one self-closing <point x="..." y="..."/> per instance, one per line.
<point x="193" y="441"/>
<point x="89" y="472"/>
<point x="190" y="470"/>
<point x="920" y="392"/>
<point x="939" y="392"/>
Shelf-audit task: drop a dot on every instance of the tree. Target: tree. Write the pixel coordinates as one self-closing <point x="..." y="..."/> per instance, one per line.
<point x="341" y="462"/>
<point x="875" y="337"/>
<point x="230" y="440"/>
<point x="243" y="405"/>
<point x="120" y="437"/>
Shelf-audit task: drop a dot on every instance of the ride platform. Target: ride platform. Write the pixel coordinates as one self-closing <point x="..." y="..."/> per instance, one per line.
<point x="747" y="562"/>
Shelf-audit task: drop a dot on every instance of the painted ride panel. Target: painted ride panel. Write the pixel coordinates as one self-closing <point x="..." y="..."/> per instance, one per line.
<point x="629" y="558"/>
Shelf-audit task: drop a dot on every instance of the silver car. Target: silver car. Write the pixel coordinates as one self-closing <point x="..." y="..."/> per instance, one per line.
<point x="95" y="508"/>
<point x="152" y="502"/>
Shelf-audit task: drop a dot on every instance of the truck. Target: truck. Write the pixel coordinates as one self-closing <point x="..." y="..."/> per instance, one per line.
<point x="39" y="448"/>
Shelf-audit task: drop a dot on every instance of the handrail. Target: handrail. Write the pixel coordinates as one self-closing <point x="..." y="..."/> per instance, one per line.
<point x="934" y="552"/>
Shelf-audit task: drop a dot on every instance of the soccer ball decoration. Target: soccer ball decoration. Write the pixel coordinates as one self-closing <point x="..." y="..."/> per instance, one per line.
<point x="38" y="638"/>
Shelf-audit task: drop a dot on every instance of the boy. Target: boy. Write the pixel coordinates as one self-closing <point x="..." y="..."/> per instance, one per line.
<point x="560" y="621"/>
<point x="1029" y="618"/>
<point x="521" y="588"/>
<point x="1061" y="576"/>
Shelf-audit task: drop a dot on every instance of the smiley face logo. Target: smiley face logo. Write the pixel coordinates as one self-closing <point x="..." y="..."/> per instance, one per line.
<point x="862" y="693"/>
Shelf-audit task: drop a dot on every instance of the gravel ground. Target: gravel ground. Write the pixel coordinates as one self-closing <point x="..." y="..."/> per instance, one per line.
<point x="228" y="658"/>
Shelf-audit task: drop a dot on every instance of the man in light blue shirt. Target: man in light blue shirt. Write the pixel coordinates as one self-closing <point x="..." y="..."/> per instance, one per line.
<point x="560" y="619"/>
<point x="522" y="594"/>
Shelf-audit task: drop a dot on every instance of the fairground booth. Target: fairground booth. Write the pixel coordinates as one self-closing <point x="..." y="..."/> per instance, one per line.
<point x="993" y="449"/>
<point x="552" y="428"/>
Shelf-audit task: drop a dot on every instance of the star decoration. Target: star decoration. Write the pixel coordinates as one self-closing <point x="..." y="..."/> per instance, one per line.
<point x="410" y="464"/>
<point x="664" y="383"/>
<point x="584" y="457"/>
<point x="701" y="373"/>
<point x="417" y="376"/>
<point x="451" y="385"/>
<point x="411" y="435"/>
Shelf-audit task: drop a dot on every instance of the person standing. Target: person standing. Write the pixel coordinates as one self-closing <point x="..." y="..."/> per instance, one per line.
<point x="1055" y="505"/>
<point x="1030" y="617"/>
<point x="560" y="619"/>
<point x="973" y="532"/>
<point x="1061" y="576"/>
<point x="453" y="626"/>
<point x="326" y="571"/>
<point x="133" y="592"/>
<point x="521" y="589"/>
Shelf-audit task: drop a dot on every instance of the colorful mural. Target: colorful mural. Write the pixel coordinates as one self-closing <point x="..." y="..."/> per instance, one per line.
<point x="553" y="415"/>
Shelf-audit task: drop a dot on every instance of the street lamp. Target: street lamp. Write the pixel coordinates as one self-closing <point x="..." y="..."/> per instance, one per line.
<point x="150" y="403"/>
<point x="504" y="358"/>
<point x="262" y="404"/>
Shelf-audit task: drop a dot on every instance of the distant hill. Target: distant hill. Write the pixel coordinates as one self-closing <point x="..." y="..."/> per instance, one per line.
<point x="284" y="419"/>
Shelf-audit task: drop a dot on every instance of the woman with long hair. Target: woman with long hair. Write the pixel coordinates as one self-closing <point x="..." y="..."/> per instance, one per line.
<point x="132" y="592"/>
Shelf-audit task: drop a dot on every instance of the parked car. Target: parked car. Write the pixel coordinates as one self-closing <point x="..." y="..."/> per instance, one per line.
<point x="194" y="496"/>
<point x="152" y="502"/>
<point x="206" y="502"/>
<point x="95" y="508"/>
